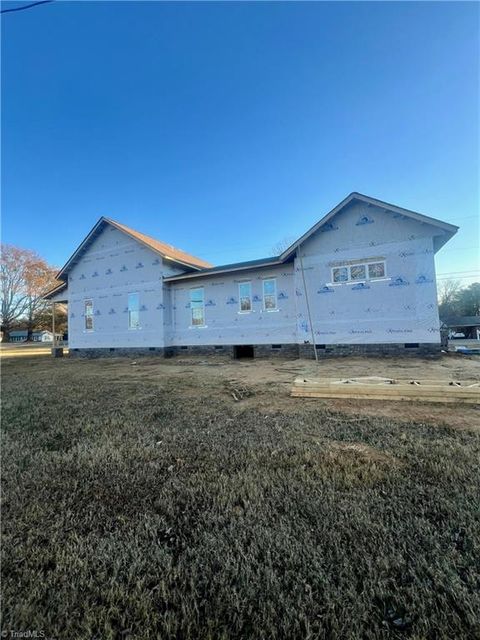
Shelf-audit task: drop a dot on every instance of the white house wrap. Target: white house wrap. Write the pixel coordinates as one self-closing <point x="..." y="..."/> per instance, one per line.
<point x="367" y="270"/>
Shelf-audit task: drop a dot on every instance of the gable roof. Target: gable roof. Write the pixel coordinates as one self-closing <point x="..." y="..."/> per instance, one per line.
<point x="448" y="229"/>
<point x="198" y="267"/>
<point x="167" y="251"/>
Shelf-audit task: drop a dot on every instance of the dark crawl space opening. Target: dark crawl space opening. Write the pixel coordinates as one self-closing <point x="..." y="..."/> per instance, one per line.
<point x="243" y="351"/>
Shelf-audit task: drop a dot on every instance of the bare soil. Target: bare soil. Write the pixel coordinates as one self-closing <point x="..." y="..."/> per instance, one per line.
<point x="270" y="381"/>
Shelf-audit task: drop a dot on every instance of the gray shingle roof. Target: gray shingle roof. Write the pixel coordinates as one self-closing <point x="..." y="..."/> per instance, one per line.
<point x="463" y="321"/>
<point x="234" y="266"/>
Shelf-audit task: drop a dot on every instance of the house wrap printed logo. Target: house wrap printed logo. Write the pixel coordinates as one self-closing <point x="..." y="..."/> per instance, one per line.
<point x="29" y="633"/>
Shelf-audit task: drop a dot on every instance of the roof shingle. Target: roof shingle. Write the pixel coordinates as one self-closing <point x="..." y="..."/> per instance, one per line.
<point x="162" y="247"/>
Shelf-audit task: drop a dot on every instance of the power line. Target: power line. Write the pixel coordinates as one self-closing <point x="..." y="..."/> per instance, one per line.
<point x="450" y="273"/>
<point x="26" y="6"/>
<point x="474" y="277"/>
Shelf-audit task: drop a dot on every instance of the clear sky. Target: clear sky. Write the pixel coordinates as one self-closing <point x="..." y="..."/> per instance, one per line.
<point x="222" y="128"/>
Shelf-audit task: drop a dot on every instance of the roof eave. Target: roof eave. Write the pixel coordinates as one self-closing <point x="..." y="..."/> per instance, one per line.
<point x="62" y="274"/>
<point x="294" y="246"/>
<point x="53" y="292"/>
<point x="207" y="272"/>
<point x="164" y="255"/>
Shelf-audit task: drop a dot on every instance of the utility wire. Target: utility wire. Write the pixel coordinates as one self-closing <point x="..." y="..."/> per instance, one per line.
<point x="26" y="6"/>
<point x="460" y="278"/>
<point x="450" y="273"/>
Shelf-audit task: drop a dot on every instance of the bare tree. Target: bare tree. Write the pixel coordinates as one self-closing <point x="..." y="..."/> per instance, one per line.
<point x="24" y="278"/>
<point x="281" y="245"/>
<point x="13" y="263"/>
<point x="39" y="278"/>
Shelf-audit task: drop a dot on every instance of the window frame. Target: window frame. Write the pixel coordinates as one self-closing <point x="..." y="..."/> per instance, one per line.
<point x="130" y="311"/>
<point x="384" y="262"/>
<point x="274" y="280"/>
<point x="193" y="324"/>
<point x="88" y="302"/>
<point x="250" y="297"/>
<point x="366" y="264"/>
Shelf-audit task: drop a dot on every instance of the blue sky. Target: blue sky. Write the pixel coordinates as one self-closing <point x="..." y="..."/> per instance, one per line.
<point x="224" y="127"/>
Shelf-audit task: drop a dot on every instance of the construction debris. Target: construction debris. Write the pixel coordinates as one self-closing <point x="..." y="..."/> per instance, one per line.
<point x="377" y="388"/>
<point x="238" y="391"/>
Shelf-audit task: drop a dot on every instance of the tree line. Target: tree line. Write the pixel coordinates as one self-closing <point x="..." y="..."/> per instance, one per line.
<point x="25" y="277"/>
<point x="455" y="301"/>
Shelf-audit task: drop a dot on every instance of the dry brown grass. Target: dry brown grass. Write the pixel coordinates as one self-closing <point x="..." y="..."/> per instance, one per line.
<point x="144" y="501"/>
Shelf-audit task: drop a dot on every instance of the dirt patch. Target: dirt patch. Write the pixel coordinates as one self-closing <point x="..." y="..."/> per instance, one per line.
<point x="362" y="451"/>
<point x="269" y="382"/>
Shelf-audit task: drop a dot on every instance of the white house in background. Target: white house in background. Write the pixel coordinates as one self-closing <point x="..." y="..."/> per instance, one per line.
<point x="361" y="280"/>
<point x="37" y="336"/>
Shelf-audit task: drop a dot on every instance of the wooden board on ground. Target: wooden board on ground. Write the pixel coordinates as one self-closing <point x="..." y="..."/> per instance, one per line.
<point x="377" y="388"/>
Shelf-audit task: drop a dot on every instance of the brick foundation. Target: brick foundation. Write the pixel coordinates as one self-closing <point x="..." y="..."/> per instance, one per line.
<point x="204" y="350"/>
<point x="386" y="349"/>
<point x="121" y="352"/>
<point x="267" y="350"/>
<point x="259" y="350"/>
<point x="275" y="350"/>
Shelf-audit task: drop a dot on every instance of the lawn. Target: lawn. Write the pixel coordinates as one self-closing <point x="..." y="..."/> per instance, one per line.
<point x="142" y="501"/>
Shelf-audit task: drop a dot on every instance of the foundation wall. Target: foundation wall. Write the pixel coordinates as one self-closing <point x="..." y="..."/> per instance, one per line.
<point x="265" y="351"/>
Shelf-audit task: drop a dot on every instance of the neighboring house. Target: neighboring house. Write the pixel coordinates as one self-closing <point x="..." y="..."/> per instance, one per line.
<point x="463" y="327"/>
<point x="37" y="336"/>
<point x="361" y="280"/>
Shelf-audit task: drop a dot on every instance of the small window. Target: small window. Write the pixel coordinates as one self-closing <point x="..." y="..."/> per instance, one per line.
<point x="358" y="272"/>
<point x="245" y="296"/>
<point x="197" y="307"/>
<point x="340" y="274"/>
<point x="376" y="270"/>
<point x="88" y="315"/>
<point x="133" y="311"/>
<point x="270" y="294"/>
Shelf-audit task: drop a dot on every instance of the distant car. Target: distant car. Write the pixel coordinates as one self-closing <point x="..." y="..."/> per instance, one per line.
<point x="456" y="334"/>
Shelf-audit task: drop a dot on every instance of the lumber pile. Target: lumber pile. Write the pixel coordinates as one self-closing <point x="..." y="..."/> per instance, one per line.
<point x="377" y="388"/>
